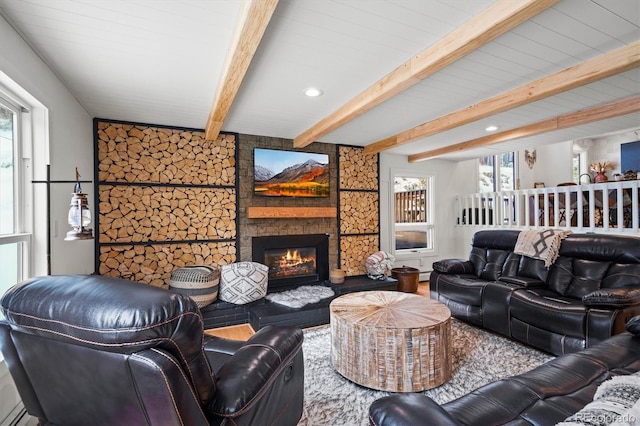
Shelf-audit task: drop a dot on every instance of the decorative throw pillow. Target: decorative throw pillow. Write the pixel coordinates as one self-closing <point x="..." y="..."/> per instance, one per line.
<point x="199" y="282"/>
<point x="243" y="282"/>
<point x="616" y="402"/>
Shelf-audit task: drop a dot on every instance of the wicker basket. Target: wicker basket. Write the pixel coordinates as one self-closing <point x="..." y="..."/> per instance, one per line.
<point x="199" y="282"/>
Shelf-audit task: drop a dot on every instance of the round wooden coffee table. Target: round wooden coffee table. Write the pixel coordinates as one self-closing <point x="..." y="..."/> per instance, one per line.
<point x="391" y="341"/>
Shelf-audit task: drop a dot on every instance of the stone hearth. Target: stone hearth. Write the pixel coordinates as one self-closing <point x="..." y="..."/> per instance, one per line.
<point x="262" y="312"/>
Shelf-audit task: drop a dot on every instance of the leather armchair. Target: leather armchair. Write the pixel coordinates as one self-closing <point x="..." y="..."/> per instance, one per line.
<point x="105" y="351"/>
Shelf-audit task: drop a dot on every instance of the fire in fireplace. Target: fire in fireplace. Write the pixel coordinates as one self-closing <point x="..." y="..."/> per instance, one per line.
<point x="290" y="262"/>
<point x="293" y="260"/>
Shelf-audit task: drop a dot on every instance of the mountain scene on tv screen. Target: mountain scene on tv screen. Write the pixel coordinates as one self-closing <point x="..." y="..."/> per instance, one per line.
<point x="307" y="179"/>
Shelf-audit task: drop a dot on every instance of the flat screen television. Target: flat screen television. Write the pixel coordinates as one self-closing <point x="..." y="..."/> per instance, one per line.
<point x="283" y="173"/>
<point x="630" y="157"/>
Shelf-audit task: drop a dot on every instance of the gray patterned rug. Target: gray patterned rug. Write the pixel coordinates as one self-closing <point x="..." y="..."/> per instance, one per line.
<point x="479" y="357"/>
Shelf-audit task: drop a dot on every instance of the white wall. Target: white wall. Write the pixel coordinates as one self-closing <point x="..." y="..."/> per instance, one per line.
<point x="553" y="165"/>
<point x="70" y="144"/>
<point x="608" y="149"/>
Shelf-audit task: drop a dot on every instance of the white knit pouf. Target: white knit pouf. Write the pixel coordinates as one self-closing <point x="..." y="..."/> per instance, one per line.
<point x="199" y="282"/>
<point x="243" y="282"/>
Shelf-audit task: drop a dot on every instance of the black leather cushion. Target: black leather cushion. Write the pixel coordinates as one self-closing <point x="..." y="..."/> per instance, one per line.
<point x="588" y="262"/>
<point x="501" y="240"/>
<point x="466" y="289"/>
<point x="549" y="311"/>
<point x="614" y="248"/>
<point x="622" y="275"/>
<point x="488" y="263"/>
<point x="524" y="266"/>
<point x="123" y="317"/>
<point x="490" y="250"/>
<point x="554" y="342"/>
<point x="453" y="266"/>
<point x="576" y="277"/>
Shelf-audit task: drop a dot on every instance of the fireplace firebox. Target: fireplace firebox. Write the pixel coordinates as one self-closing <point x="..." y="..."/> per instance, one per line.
<point x="293" y="260"/>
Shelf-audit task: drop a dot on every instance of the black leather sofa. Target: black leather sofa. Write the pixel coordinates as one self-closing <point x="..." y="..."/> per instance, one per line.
<point x="545" y="395"/>
<point x="91" y="350"/>
<point x="586" y="296"/>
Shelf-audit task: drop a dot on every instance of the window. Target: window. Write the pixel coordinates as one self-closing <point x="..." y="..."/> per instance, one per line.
<point x="14" y="241"/>
<point x="413" y="213"/>
<point x="579" y="164"/>
<point x="497" y="173"/>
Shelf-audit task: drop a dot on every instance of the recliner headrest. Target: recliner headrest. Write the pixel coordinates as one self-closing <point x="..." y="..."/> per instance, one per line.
<point x="612" y="248"/>
<point x="108" y="313"/>
<point x="496" y="239"/>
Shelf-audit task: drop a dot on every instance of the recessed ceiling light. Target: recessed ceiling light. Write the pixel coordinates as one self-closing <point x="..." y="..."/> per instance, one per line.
<point x="492" y="128"/>
<point x="313" y="92"/>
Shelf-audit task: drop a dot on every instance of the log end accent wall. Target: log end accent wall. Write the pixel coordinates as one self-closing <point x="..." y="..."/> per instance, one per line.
<point x="359" y="208"/>
<point x="166" y="198"/>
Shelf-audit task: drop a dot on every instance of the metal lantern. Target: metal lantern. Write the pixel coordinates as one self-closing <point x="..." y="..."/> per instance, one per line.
<point x="79" y="214"/>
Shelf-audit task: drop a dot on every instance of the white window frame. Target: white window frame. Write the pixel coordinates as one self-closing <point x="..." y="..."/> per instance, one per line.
<point x="21" y="215"/>
<point x="583" y="164"/>
<point x="497" y="182"/>
<point x="429" y="226"/>
<point x="23" y="228"/>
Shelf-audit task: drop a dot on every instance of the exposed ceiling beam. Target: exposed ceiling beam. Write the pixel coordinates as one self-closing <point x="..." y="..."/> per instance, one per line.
<point x="603" y="66"/>
<point x="252" y="23"/>
<point x="585" y="116"/>
<point x="496" y="20"/>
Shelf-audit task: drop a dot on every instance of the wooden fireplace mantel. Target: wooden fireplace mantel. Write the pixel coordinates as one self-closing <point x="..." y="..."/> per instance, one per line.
<point x="289" y="212"/>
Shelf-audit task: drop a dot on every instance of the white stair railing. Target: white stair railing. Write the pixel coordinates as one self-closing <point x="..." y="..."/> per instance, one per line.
<point x="612" y="207"/>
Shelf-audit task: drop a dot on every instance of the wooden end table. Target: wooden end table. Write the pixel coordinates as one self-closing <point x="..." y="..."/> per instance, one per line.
<point x="391" y="341"/>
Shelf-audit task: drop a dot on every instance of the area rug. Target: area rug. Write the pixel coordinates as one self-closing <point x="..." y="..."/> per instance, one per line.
<point x="479" y="357"/>
<point x="301" y="296"/>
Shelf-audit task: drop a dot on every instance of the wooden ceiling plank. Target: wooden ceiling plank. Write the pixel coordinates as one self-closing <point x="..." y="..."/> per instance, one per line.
<point x="585" y="116"/>
<point x="252" y="23"/>
<point x="496" y="20"/>
<point x="614" y="62"/>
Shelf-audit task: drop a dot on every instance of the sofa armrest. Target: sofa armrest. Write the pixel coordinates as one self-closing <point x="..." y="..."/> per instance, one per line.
<point x="453" y="266"/>
<point x="254" y="367"/>
<point x="524" y="282"/>
<point x="218" y="350"/>
<point x="213" y="344"/>
<point x="408" y="409"/>
<point x="613" y="298"/>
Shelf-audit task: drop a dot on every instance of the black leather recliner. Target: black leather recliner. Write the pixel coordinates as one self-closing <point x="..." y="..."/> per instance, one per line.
<point x="103" y="351"/>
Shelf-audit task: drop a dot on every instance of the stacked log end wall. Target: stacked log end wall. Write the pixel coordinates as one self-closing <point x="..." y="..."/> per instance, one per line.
<point x="166" y="199"/>
<point x="359" y="211"/>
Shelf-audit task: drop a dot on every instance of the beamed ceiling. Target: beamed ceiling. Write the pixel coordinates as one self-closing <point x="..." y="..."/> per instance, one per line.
<point x="421" y="78"/>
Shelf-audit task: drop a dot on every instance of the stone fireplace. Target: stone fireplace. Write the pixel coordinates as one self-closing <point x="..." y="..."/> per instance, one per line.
<point x="293" y="260"/>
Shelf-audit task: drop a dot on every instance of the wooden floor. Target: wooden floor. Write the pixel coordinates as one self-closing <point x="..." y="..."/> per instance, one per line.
<point x="244" y="331"/>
